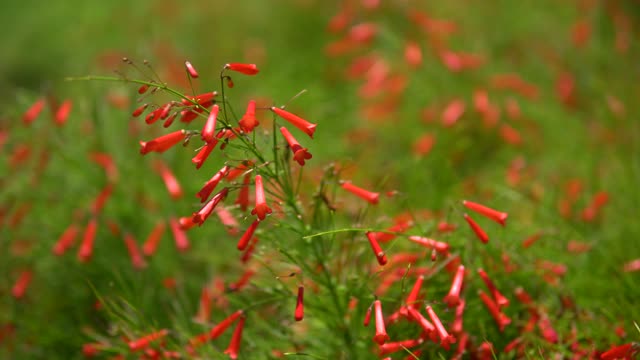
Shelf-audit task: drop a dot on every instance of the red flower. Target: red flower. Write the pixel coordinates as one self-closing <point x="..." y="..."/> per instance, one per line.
<point x="501" y="319"/>
<point x="204" y="100"/>
<point x="191" y="70"/>
<point x="151" y="244"/>
<point x="300" y="154"/>
<point x="86" y="247"/>
<point x="392" y="347"/>
<point x="200" y="216"/>
<point x="412" y="299"/>
<point x="618" y="352"/>
<point x="377" y="250"/>
<point x="381" y="332"/>
<point x="63" y="112"/>
<point x="497" y="296"/>
<point x="439" y="246"/>
<point x="456" y="326"/>
<point x="497" y="216"/>
<point x="247" y="69"/>
<point x="371" y="197"/>
<point x="32" y="113"/>
<point x="170" y="181"/>
<point x="134" y="251"/>
<point x="453" y="298"/>
<point x="248" y="234"/>
<point x="477" y="229"/>
<point x="261" y="209"/>
<point x="367" y="316"/>
<point x="66" y="240"/>
<point x="163" y="143"/>
<point x="302" y="124"/>
<point x="248" y="121"/>
<point x="299" y="313"/>
<point x="236" y="338"/>
<point x="243" y="193"/>
<point x="186" y="223"/>
<point x="425" y="324"/>
<point x="21" y="285"/>
<point x="203" y="154"/>
<point x="182" y="243"/>
<point x="445" y="339"/>
<point x="144" y="341"/>
<point x="223" y="325"/>
<point x="210" y="125"/>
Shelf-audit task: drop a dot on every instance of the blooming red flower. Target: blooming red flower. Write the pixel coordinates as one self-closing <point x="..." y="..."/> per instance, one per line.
<point x="247" y="69"/>
<point x="248" y="234"/>
<point x="299" y="313"/>
<point x="248" y="121"/>
<point x="203" y="154"/>
<point x="377" y="250"/>
<point x="501" y="319"/>
<point x="302" y="124"/>
<point x="236" y="338"/>
<point x="300" y="154"/>
<point x="204" y="99"/>
<point x="163" y="143"/>
<point x="86" y="247"/>
<point x="182" y="243"/>
<point x="261" y="210"/>
<point x="495" y="293"/>
<point x="34" y="110"/>
<point x="170" y="181"/>
<point x="224" y="324"/>
<point x="497" y="216"/>
<point x="453" y="298"/>
<point x="477" y="229"/>
<point x="66" y="240"/>
<point x="618" y="352"/>
<point x="204" y="212"/>
<point x="381" y="332"/>
<point x="445" y="339"/>
<point x="210" y="125"/>
<point x="151" y="244"/>
<point x="191" y="70"/>
<point x="144" y="341"/>
<point x="63" y="112"/>
<point x="371" y="197"/>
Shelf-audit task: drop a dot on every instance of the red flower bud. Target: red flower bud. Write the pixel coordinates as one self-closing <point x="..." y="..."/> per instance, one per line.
<point x="248" y="121"/>
<point x="210" y="125"/>
<point x="162" y="143"/>
<point x="247" y="69"/>
<point x="377" y="250"/>
<point x="86" y="247"/>
<point x="453" y="298"/>
<point x="299" y="313"/>
<point x="477" y="229"/>
<point x="262" y="209"/>
<point x="497" y="216"/>
<point x="371" y="197"/>
<point x="300" y="154"/>
<point x="32" y="113"/>
<point x="381" y="333"/>
<point x="191" y="70"/>
<point x="302" y="124"/>
<point x="248" y="234"/>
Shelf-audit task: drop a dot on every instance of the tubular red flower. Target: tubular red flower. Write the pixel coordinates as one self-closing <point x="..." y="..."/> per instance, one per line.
<point x="224" y="324"/>
<point x="180" y="238"/>
<point x="204" y="310"/>
<point x="438" y="246"/>
<point x="299" y="313"/>
<point x="63" y="112"/>
<point x="144" y="341"/>
<point x="412" y="299"/>
<point x="247" y="69"/>
<point x="396" y="346"/>
<point x="153" y="116"/>
<point x="203" y="154"/>
<point x="200" y="216"/>
<point x="477" y="229"/>
<point x="101" y="199"/>
<point x="445" y="339"/>
<point x="191" y="70"/>
<point x="377" y="250"/>
<point x="209" y="128"/>
<point x="453" y="298"/>
<point x="134" y="251"/>
<point x="201" y="99"/>
<point x="497" y="216"/>
<point x="243" y="281"/>
<point x="163" y="143"/>
<point x="227" y="219"/>
<point x="151" y="244"/>
<point x="425" y="324"/>
<point x="367" y="316"/>
<point x="381" y="333"/>
<point x="261" y="210"/>
<point x="371" y="197"/>
<point x="456" y="327"/>
<point x="243" y="193"/>
<point x="143" y="89"/>
<point x="66" y="240"/>
<point x="247" y="254"/>
<point x="170" y="181"/>
<point x="248" y="234"/>
<point x="86" y="247"/>
<point x="32" y="113"/>
<point x="300" y="154"/>
<point x="186" y="223"/>
<point x="249" y="121"/>
<point x="500" y="300"/>
<point x="302" y="124"/>
<point x="501" y="319"/>
<point x="618" y="352"/>
<point x="236" y="339"/>
<point x="20" y="287"/>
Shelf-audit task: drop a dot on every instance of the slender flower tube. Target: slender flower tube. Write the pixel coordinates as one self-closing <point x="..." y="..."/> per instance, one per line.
<point x="163" y="143"/>
<point x="182" y="243"/>
<point x="299" y="313"/>
<point x="202" y="215"/>
<point x="248" y="234"/>
<point x="445" y="339"/>
<point x="32" y="113"/>
<point x="477" y="229"/>
<point x="66" y="240"/>
<point x="144" y="341"/>
<point x="438" y="246"/>
<point x="246" y="256"/>
<point x="262" y="209"/>
<point x="249" y="121"/>
<point x="497" y="216"/>
<point x="20" y="287"/>
<point x="209" y="129"/>
<point x="204" y="99"/>
<point x="381" y="332"/>
<point x="243" y="194"/>
<point x="211" y="184"/>
<point x="243" y="281"/>
<point x="63" y="112"/>
<point x="396" y="346"/>
<point x="300" y="154"/>
<point x="412" y="299"/>
<point x="453" y="298"/>
<point x="247" y="69"/>
<point x="203" y="154"/>
<point x="367" y="316"/>
<point x="302" y="124"/>
<point x="224" y="324"/>
<point x="101" y="199"/>
<point x="425" y="324"/>
<point x="500" y="300"/>
<point x="170" y="181"/>
<point x="204" y="310"/>
<point x="191" y="70"/>
<point x="501" y="319"/>
<point x="456" y="327"/>
<point x="371" y="197"/>
<point x="236" y="339"/>
<point x="151" y="244"/>
<point x="377" y="250"/>
<point x="134" y="251"/>
<point x="86" y="247"/>
<point x="186" y="223"/>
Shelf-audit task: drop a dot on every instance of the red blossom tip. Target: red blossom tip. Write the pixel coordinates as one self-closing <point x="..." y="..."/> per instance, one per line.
<point x="247" y="69"/>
